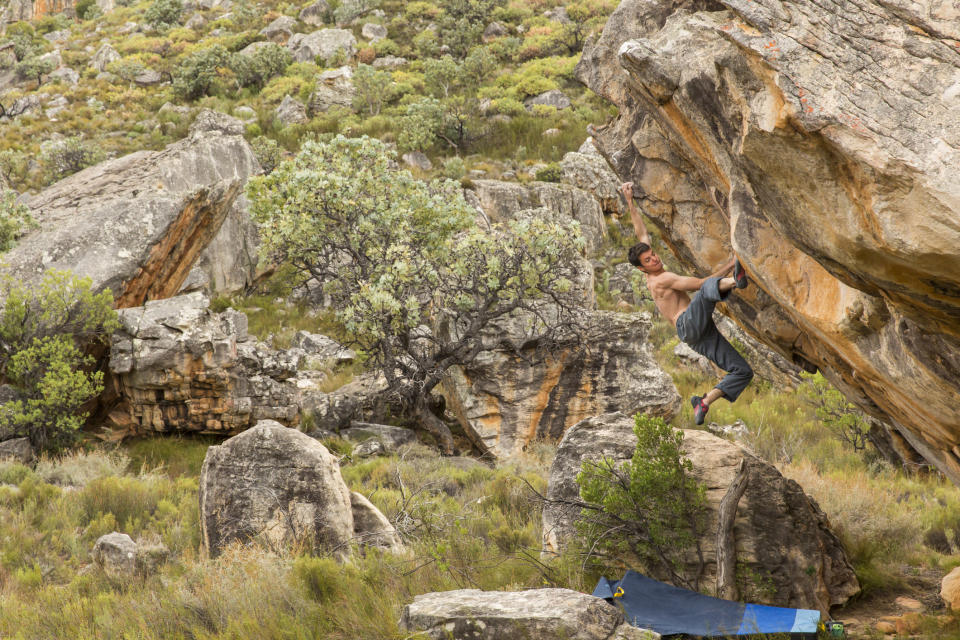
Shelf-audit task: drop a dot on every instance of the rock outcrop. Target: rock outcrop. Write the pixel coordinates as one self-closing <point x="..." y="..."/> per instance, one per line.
<point x="501" y="201"/>
<point x="783" y="540"/>
<point x="138" y="224"/>
<point x="120" y="558"/>
<point x="820" y="143"/>
<point x="545" y="614"/>
<point x="278" y="487"/>
<point x="509" y="397"/>
<point x="179" y="367"/>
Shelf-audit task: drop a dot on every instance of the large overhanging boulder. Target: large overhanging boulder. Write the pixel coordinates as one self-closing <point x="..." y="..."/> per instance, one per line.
<point x="784" y="548"/>
<point x="138" y="224"/>
<point x="820" y="142"/>
<point x="511" y="395"/>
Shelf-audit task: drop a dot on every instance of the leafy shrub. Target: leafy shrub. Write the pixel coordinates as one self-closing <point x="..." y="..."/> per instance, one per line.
<point x="256" y="70"/>
<point x="268" y="152"/>
<point x="41" y="331"/>
<point x="163" y="14"/>
<point x="553" y="172"/>
<point x="199" y="73"/>
<point x="15" y="218"/>
<point x="52" y="22"/>
<point x="87" y="9"/>
<point x="371" y="86"/>
<point x="33" y="67"/>
<point x="61" y="158"/>
<point x="649" y="506"/>
<point x="421" y="125"/>
<point x="366" y="55"/>
<point x="453" y="168"/>
<point x="352" y="9"/>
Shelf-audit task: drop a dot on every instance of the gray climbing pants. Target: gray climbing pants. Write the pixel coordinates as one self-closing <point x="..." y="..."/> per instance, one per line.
<point x="695" y="327"/>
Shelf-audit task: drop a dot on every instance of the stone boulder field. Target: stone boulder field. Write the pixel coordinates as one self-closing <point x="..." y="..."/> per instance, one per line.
<point x="820" y="143"/>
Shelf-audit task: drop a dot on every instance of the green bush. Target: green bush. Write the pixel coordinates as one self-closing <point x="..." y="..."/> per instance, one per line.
<point x="371" y="86"/>
<point x="553" y="172"/>
<point x="421" y="125"/>
<point x="649" y="507"/>
<point x="62" y="158"/>
<point x="199" y="74"/>
<point x="41" y="331"/>
<point x="265" y="63"/>
<point x="15" y="218"/>
<point x="268" y="152"/>
<point x="33" y="67"/>
<point x="163" y="14"/>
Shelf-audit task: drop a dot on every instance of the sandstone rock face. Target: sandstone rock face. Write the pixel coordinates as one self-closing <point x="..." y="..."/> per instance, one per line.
<point x="591" y="173"/>
<point x="782" y="536"/>
<point x="553" y="98"/>
<point x="179" y="367"/>
<point x="389" y="436"/>
<point x="275" y="486"/>
<point x="138" y="224"/>
<point x="116" y="554"/>
<point x="314" y="14"/>
<point x="505" y="402"/>
<point x="280" y="29"/>
<point x="500" y="201"/>
<point x="545" y="614"/>
<point x="819" y="142"/>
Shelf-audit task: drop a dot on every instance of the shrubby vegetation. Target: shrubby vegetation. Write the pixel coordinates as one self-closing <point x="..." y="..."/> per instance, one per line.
<point x="43" y="333"/>
<point x="648" y="509"/>
<point x="398" y="256"/>
<point x="15" y="219"/>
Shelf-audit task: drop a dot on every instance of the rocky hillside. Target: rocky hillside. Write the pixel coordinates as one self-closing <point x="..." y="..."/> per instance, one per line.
<point x="819" y="142"/>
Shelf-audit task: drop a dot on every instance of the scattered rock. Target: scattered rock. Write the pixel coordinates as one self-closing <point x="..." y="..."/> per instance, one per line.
<point x="591" y="173"/>
<point x="361" y="399"/>
<point x="57" y="36"/>
<point x="279" y="487"/>
<point x="390" y="63"/>
<point x="493" y="31"/>
<point x="553" y="98"/>
<point x="195" y="22"/>
<point x="106" y="6"/>
<point x="373" y="32"/>
<point x="17" y="449"/>
<point x="253" y="47"/>
<point x="738" y="431"/>
<point x="785" y="538"/>
<point x="369" y="448"/>
<point x="471" y="614"/>
<point x="116" y="554"/>
<point x="334" y="88"/>
<point x="417" y="159"/>
<point x="54" y="57"/>
<point x="371" y="528"/>
<point x="323" y="44"/>
<point x="104" y="56"/>
<point x="245" y="113"/>
<point x="909" y="604"/>
<point x="558" y="14"/>
<point x="391" y="437"/>
<point x="129" y="27"/>
<point x="690" y="358"/>
<point x="553" y="131"/>
<point x="148" y="78"/>
<point x="280" y="30"/>
<point x="65" y="75"/>
<point x="291" y="111"/>
<point x="57" y="104"/>
<point x="315" y="14"/>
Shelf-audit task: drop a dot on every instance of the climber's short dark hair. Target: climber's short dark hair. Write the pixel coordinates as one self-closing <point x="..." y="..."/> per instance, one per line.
<point x="636" y="251"/>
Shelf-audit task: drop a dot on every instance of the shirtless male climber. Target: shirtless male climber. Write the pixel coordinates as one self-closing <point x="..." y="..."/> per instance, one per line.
<point x="693" y="320"/>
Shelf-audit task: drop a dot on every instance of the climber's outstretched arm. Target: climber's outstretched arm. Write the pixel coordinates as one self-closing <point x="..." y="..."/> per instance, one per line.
<point x="638" y="227"/>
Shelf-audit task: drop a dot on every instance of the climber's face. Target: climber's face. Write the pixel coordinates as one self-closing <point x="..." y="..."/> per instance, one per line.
<point x="650" y="262"/>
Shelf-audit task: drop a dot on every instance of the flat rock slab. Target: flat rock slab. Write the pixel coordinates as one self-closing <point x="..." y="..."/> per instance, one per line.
<point x="544" y="614"/>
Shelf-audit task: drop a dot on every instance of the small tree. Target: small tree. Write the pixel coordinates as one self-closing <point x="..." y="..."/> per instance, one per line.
<point x="411" y="278"/>
<point x="163" y="14"/>
<point x="421" y="126"/>
<point x="371" y="86"/>
<point x="648" y="507"/>
<point x="257" y="69"/>
<point x="200" y="73"/>
<point x="14" y="219"/>
<point x="61" y="158"/>
<point x="42" y="332"/>
<point x="34" y="67"/>
<point x="842" y="418"/>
